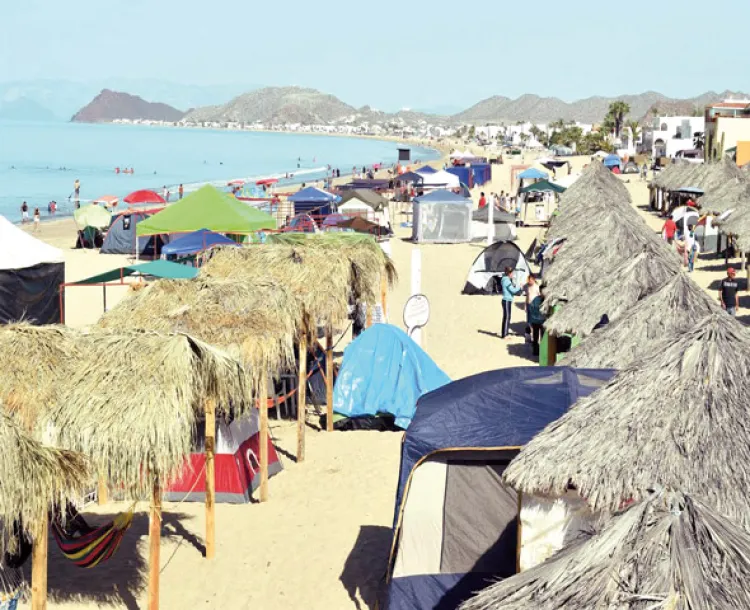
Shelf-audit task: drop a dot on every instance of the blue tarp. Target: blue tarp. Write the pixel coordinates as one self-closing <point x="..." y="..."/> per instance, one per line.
<point x="440" y="196"/>
<point x="532" y="174"/>
<point x="464" y="174"/>
<point x="384" y="371"/>
<point x="612" y="161"/>
<point x="192" y="243"/>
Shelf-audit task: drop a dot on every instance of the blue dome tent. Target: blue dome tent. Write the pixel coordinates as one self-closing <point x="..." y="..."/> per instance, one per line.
<point x="314" y="200"/>
<point x="196" y="242"/>
<point x="455" y="526"/>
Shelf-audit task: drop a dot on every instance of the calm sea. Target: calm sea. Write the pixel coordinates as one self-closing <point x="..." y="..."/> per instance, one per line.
<point x="39" y="162"/>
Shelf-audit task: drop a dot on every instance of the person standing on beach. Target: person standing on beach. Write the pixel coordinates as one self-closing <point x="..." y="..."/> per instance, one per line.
<point x="509" y="291"/>
<point x="728" y="293"/>
<point x="37" y="219"/>
<point x="534" y="316"/>
<point x="482" y="201"/>
<point x="77" y="188"/>
<point x="180" y="191"/>
<point x="669" y="230"/>
<point x="24" y="213"/>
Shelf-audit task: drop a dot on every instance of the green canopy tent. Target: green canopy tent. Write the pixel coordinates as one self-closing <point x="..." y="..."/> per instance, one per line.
<point x="159" y="269"/>
<point x="543" y="186"/>
<point x="90" y="221"/>
<point x="207" y="208"/>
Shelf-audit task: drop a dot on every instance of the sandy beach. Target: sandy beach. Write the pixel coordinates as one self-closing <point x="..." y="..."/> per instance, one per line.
<point x="322" y="541"/>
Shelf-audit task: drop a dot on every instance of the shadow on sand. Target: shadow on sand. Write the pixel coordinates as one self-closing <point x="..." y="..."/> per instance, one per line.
<point x="366" y="565"/>
<point x="123" y="578"/>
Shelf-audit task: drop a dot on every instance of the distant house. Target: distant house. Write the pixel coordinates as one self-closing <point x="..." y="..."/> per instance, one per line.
<point x="674" y="134"/>
<point x="726" y="124"/>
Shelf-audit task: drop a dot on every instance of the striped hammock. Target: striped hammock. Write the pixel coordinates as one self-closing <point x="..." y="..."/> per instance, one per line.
<point x="94" y="547"/>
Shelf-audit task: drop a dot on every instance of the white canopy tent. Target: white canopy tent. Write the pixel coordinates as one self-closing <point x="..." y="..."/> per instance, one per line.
<point x="441" y="179"/>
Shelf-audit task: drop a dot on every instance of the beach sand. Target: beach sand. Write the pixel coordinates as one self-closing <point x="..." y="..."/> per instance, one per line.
<point x="322" y="541"/>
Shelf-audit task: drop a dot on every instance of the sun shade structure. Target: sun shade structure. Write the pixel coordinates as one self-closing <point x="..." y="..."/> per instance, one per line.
<point x="542" y="186"/>
<point x="93" y="216"/>
<point x="671" y="551"/>
<point x="442" y="217"/>
<point x="455" y="524"/>
<point x="670" y="311"/>
<point x="738" y="225"/>
<point x="533" y="174"/>
<point x="207" y="208"/>
<point x="143" y="197"/>
<point x="160" y="269"/>
<point x="676" y="419"/>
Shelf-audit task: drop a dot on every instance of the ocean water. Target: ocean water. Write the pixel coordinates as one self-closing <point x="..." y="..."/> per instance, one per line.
<point x="39" y="162"/>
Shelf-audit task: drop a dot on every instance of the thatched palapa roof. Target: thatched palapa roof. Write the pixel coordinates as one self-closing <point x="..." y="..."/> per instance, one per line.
<point x="734" y="194"/>
<point x="133" y="403"/>
<point x="33" y="477"/>
<point x="738" y="225"/>
<point x="670" y="552"/>
<point x="678" y="419"/>
<point x="614" y="293"/>
<point x="255" y="323"/>
<point x="673" y="309"/>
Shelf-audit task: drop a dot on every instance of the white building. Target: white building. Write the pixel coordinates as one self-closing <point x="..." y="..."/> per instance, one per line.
<point x="675" y="133"/>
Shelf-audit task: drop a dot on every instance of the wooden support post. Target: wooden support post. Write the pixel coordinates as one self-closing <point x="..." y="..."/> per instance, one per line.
<point x="264" y="437"/>
<point x="39" y="565"/>
<point x="302" y="395"/>
<point x="329" y="379"/>
<point x="210" y="479"/>
<point x="552" y="350"/>
<point x="101" y="490"/>
<point x="384" y="295"/>
<point x="154" y="544"/>
<point x="519" y="535"/>
<point x="368" y="316"/>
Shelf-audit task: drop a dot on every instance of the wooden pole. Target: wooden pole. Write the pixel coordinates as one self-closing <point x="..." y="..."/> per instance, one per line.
<point x="368" y="316"/>
<point x="210" y="478"/>
<point x="39" y="566"/>
<point x="101" y="491"/>
<point x="264" y="437"/>
<point x="384" y="295"/>
<point x="302" y="395"/>
<point x="154" y="543"/>
<point x="329" y="379"/>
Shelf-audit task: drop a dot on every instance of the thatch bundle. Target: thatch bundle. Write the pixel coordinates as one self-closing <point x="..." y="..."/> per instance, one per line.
<point x="673" y="172"/>
<point x="33" y="478"/>
<point x="614" y="293"/>
<point x="323" y="272"/>
<point x="734" y="194"/>
<point x="738" y="225"/>
<point x="677" y="418"/>
<point x="719" y="173"/>
<point x="670" y="552"/>
<point x="132" y="405"/>
<point x="34" y="360"/>
<point x="668" y="312"/>
<point x="255" y="323"/>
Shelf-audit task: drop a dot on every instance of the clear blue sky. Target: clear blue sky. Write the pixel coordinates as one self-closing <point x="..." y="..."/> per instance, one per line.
<point x="391" y="55"/>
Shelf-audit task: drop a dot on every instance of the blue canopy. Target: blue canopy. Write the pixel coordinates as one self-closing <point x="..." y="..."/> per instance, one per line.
<point x="426" y="170"/>
<point x="611" y="160"/>
<point x="192" y="243"/>
<point x="384" y="371"/>
<point x="441" y="196"/>
<point x="532" y="174"/>
<point x="313" y="195"/>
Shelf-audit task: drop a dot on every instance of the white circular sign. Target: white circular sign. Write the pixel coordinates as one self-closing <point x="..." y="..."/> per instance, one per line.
<point x="416" y="312"/>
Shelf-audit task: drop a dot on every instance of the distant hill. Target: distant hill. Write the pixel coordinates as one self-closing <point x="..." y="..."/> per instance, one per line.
<point x="24" y="109"/>
<point x="590" y="110"/>
<point x="111" y="105"/>
<point x="276" y="105"/>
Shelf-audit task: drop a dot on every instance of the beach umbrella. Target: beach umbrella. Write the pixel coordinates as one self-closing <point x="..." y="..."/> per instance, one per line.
<point x="143" y="197"/>
<point x="92" y="216"/>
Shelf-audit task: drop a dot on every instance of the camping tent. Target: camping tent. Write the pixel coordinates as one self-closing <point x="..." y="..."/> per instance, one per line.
<point x="31" y="273"/>
<point x="366" y="203"/>
<point x="196" y="242"/>
<point x="489" y="266"/>
<point x="207" y="208"/>
<point x="455" y="524"/>
<point x="121" y="236"/>
<point x="505" y="224"/>
<point x="236" y="462"/>
<point x="442" y="217"/>
<point x="384" y="371"/>
<point x="313" y="200"/>
<point x="441" y="179"/>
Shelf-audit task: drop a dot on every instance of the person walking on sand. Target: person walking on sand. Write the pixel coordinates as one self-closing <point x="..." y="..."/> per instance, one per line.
<point x="24" y="213"/>
<point x="669" y="230"/>
<point x="509" y="291"/>
<point x="728" y="289"/>
<point x="180" y="191"/>
<point x="37" y="219"/>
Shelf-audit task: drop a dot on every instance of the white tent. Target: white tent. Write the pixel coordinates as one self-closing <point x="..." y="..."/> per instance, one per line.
<point x="31" y="273"/>
<point x="357" y="207"/>
<point x="441" y="179"/>
<point x="566" y="181"/>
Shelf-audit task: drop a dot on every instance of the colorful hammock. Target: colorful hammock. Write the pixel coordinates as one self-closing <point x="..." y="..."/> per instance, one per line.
<point x="94" y="547"/>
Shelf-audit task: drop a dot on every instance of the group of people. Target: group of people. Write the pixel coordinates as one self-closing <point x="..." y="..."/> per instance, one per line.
<point x="533" y="298"/>
<point x="684" y="241"/>
<point x="25" y="215"/>
<point x="502" y="202"/>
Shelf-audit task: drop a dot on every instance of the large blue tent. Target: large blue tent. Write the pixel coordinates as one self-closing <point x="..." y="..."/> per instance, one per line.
<point x="455" y="524"/>
<point x="311" y="199"/>
<point x="385" y="371"/>
<point x="195" y="242"/>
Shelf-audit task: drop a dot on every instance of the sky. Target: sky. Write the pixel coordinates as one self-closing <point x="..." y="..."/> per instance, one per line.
<point x="389" y="55"/>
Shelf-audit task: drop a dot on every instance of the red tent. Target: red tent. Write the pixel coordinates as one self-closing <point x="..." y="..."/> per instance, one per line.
<point x="143" y="197"/>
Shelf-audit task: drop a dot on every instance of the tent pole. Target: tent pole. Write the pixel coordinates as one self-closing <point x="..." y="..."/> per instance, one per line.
<point x="154" y="542"/>
<point x="39" y="565"/>
<point x="329" y="378"/>
<point x="104" y="290"/>
<point x="210" y="478"/>
<point x="519" y="536"/>
<point x="264" y="436"/>
<point x="302" y="393"/>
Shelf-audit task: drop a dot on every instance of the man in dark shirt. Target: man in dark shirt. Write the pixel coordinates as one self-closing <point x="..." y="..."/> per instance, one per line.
<point x="728" y="296"/>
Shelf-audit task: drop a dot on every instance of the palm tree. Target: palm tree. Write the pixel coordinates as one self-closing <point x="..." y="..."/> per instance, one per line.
<point x="618" y="111"/>
<point x="635" y="132"/>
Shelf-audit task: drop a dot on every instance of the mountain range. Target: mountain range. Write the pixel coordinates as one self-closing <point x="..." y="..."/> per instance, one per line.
<point x="278" y="105"/>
